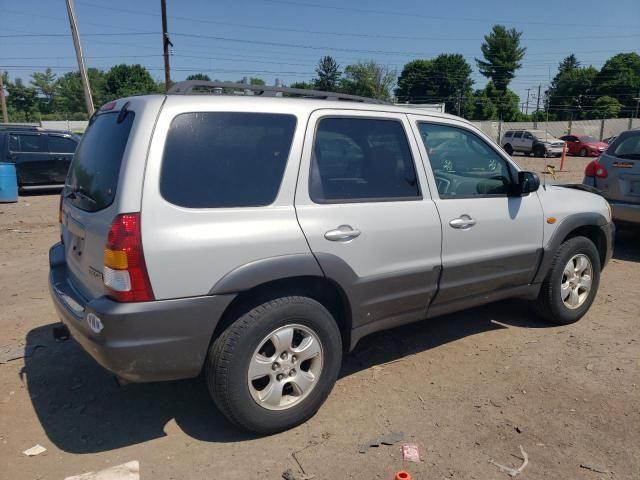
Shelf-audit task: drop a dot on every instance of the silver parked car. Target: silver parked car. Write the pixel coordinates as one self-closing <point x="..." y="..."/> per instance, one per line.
<point x="258" y="238"/>
<point x="616" y="174"/>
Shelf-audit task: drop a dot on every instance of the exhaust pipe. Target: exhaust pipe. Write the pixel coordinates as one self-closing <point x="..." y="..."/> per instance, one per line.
<point x="60" y="333"/>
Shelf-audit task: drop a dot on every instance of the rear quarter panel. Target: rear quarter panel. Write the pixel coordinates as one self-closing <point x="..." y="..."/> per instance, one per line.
<point x="188" y="250"/>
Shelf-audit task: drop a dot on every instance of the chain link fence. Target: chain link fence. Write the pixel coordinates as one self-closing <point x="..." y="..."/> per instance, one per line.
<point x="599" y="129"/>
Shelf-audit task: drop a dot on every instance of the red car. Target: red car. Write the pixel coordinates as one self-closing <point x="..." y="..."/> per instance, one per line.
<point x="584" y="145"/>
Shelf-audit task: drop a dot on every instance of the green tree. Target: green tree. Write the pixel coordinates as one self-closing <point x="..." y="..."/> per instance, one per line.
<point x="70" y="97"/>
<point x="328" y="75"/>
<point x="46" y="86"/>
<point x="606" y="107"/>
<point x="572" y="93"/>
<point x="303" y="85"/>
<point x="502" y="55"/>
<point x="446" y="78"/>
<point x="483" y="107"/>
<point x="128" y="80"/>
<point x="368" y="79"/>
<point x="199" y="76"/>
<point x="619" y="78"/>
<point x="569" y="62"/>
<point x="22" y="101"/>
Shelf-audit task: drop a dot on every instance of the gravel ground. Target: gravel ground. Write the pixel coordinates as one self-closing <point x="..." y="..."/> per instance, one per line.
<point x="466" y="388"/>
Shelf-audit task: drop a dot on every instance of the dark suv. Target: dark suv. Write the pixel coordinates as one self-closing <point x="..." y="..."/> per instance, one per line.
<point x="42" y="157"/>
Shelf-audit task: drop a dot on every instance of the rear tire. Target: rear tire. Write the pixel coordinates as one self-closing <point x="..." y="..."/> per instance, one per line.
<point x="508" y="148"/>
<point x="264" y="385"/>
<point x="571" y="283"/>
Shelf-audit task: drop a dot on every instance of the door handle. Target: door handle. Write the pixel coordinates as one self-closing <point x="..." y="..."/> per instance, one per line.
<point x="342" y="233"/>
<point x="463" y="222"/>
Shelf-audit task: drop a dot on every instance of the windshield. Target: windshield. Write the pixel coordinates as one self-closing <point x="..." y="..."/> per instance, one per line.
<point x="588" y="139"/>
<point x="94" y="171"/>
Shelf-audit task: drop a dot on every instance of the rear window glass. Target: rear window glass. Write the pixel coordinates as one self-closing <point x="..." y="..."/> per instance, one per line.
<point x="61" y="144"/>
<point x="626" y="146"/>
<point x="225" y="159"/>
<point x="95" y="168"/>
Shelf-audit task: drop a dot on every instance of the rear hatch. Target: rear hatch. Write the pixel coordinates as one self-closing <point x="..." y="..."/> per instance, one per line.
<point x="622" y="162"/>
<point x="89" y="199"/>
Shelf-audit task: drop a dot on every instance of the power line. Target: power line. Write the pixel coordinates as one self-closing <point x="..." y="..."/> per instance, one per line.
<point x="433" y="17"/>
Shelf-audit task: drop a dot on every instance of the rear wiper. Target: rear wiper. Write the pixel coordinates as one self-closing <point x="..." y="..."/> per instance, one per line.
<point x="78" y="193"/>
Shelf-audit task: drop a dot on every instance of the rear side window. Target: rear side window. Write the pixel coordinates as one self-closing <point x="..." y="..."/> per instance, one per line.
<point x="225" y="159"/>
<point x="61" y="144"/>
<point x="360" y="160"/>
<point x="28" y="143"/>
<point x="517" y="134"/>
<point x="95" y="168"/>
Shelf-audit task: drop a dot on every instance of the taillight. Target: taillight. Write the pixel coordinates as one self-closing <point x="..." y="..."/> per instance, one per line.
<point x="125" y="273"/>
<point x="594" y="169"/>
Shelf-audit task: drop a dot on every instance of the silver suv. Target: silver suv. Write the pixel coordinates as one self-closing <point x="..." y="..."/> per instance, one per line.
<point x="539" y="143"/>
<point x="259" y="239"/>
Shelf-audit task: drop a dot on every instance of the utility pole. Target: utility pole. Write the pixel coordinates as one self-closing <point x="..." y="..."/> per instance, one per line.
<point x="526" y="108"/>
<point x="84" y="78"/>
<point x="535" y="121"/>
<point x="165" y="46"/>
<point x="5" y="115"/>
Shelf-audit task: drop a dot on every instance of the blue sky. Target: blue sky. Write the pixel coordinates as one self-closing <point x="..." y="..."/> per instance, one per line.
<point x="285" y="38"/>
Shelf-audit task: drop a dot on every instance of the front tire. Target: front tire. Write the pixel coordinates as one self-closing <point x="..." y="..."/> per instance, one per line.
<point x="583" y="152"/>
<point x="539" y="151"/>
<point x="274" y="367"/>
<point x="571" y="284"/>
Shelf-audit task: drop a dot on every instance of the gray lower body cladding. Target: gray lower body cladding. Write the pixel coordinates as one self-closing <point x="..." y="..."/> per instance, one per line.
<point x="625" y="212"/>
<point x="140" y="342"/>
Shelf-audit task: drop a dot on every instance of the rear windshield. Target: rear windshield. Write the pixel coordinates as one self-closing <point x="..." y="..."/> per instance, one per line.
<point x="223" y="159"/>
<point x="626" y="146"/>
<point x="94" y="171"/>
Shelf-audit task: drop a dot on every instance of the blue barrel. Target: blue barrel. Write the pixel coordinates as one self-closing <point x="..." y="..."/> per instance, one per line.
<point x="8" y="183"/>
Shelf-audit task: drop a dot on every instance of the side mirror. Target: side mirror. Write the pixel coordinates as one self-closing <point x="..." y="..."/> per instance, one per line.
<point x="527" y="182"/>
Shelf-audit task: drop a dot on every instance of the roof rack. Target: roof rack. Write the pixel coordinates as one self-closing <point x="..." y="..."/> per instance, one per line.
<point x="218" y="88"/>
<point x="20" y="126"/>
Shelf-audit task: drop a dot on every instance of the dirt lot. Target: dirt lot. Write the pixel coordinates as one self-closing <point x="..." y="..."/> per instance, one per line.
<point x="466" y="388"/>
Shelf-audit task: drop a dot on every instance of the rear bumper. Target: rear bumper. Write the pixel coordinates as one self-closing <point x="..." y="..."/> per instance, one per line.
<point x="625" y="212"/>
<point x="140" y="342"/>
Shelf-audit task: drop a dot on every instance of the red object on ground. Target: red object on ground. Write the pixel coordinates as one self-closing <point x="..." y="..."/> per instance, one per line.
<point x="402" y="475"/>
<point x="564" y="154"/>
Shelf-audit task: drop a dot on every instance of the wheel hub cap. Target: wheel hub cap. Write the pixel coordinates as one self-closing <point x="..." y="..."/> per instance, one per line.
<point x="285" y="367"/>
<point x="576" y="281"/>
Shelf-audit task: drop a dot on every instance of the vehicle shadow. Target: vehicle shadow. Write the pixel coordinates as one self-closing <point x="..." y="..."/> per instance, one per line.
<point x="83" y="410"/>
<point x="627" y="247"/>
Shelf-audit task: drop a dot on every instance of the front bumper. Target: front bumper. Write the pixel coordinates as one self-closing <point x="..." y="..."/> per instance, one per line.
<point x="625" y="212"/>
<point x="139" y="342"/>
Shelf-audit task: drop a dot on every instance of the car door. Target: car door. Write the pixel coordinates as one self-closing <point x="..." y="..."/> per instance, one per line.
<point x="573" y="144"/>
<point x="527" y="142"/>
<point x="517" y="141"/>
<point x="368" y="215"/>
<point x="30" y="152"/>
<point x="61" y="148"/>
<point x="491" y="241"/>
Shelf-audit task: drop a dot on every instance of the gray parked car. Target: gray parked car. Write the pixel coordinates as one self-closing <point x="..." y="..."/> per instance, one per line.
<point x="616" y="174"/>
<point x="259" y="239"/>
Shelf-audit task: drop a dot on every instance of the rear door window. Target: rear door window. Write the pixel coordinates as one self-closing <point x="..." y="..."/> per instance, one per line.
<point x="362" y="160"/>
<point x="225" y="159"/>
<point x="58" y="144"/>
<point x="94" y="172"/>
<point x="28" y="143"/>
